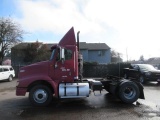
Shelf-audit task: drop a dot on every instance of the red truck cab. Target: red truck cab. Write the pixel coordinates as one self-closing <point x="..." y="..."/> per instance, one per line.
<point x="61" y="68"/>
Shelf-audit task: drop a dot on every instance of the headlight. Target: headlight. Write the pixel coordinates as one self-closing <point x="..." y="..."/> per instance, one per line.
<point x="148" y="73"/>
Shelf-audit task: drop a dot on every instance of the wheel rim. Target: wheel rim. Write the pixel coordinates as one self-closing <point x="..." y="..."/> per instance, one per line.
<point x="40" y="96"/>
<point x="141" y="79"/>
<point x="129" y="92"/>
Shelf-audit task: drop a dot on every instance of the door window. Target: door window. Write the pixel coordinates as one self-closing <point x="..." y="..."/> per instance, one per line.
<point x="68" y="54"/>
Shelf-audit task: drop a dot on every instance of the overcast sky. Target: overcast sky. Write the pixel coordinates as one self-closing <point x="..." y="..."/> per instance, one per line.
<point x="127" y="26"/>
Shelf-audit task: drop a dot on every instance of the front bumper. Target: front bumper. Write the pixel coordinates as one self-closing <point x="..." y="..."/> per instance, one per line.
<point x="21" y="91"/>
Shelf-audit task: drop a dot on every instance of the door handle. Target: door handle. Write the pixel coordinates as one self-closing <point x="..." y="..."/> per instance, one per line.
<point x="56" y="65"/>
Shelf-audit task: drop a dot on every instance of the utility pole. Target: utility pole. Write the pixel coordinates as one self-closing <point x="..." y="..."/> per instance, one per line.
<point x="127" y="54"/>
<point x="119" y="64"/>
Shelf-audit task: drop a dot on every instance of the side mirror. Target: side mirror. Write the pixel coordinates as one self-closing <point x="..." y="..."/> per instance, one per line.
<point x="62" y="53"/>
<point x="62" y="57"/>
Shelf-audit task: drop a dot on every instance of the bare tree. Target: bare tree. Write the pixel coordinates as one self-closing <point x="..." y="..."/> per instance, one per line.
<point x="10" y="34"/>
<point x="116" y="56"/>
<point x="141" y="58"/>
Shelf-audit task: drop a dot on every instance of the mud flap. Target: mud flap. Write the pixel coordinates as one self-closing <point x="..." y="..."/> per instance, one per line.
<point x="141" y="96"/>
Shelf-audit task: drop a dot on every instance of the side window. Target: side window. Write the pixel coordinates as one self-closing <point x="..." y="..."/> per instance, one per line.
<point x="68" y="54"/>
<point x="5" y="69"/>
<point x="0" y="69"/>
<point x="101" y="53"/>
<point x="58" y="54"/>
<point x="136" y="67"/>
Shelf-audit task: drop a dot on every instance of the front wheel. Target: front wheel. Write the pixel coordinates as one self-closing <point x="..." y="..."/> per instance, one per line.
<point x="40" y="95"/>
<point x="141" y="79"/>
<point x="128" y="92"/>
<point x="10" y="78"/>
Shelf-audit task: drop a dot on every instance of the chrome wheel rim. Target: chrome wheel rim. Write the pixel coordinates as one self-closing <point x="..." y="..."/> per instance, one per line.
<point x="129" y="92"/>
<point x="40" y="96"/>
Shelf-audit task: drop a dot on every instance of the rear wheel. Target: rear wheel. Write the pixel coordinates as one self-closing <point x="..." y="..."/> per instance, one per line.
<point x="40" y="95"/>
<point x="128" y="92"/>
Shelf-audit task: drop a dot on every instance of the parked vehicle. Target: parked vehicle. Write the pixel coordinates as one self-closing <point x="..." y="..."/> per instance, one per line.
<point x="61" y="76"/>
<point x="7" y="73"/>
<point x="142" y="72"/>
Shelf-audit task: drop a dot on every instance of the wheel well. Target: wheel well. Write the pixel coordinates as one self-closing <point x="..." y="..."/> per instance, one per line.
<point x="10" y="75"/>
<point x="40" y="82"/>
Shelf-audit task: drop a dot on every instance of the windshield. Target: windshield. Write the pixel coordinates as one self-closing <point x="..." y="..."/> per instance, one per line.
<point x="52" y="55"/>
<point x="146" y="67"/>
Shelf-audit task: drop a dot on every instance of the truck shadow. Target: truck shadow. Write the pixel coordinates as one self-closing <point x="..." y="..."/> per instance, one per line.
<point x="57" y="106"/>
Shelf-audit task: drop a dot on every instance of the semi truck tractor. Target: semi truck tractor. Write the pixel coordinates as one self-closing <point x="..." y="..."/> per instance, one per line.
<point x="61" y="77"/>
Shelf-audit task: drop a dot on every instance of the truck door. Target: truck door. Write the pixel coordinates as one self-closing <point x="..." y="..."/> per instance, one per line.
<point x="55" y="65"/>
<point x="68" y="65"/>
<point x="61" y="70"/>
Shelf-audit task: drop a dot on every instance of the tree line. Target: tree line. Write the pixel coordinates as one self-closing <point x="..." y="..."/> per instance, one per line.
<point x="11" y="34"/>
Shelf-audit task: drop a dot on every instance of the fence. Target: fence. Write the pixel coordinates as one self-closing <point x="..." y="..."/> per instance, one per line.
<point x="114" y="69"/>
<point x="16" y="69"/>
<point x="92" y="70"/>
<point x="95" y="70"/>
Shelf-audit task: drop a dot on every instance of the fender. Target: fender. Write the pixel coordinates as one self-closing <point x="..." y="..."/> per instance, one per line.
<point x="27" y="81"/>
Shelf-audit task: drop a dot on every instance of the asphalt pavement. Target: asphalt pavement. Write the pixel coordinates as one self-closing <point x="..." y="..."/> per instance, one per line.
<point x="96" y="107"/>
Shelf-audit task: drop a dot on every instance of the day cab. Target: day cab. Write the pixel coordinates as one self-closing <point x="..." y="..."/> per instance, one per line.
<point x="46" y="76"/>
<point x="60" y="77"/>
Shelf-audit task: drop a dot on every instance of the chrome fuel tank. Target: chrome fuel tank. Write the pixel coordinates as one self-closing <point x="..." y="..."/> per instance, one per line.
<point x="73" y="90"/>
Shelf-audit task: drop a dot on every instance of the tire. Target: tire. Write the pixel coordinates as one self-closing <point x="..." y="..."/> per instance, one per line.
<point x="40" y="95"/>
<point x="128" y="92"/>
<point x="141" y="79"/>
<point x="10" y="78"/>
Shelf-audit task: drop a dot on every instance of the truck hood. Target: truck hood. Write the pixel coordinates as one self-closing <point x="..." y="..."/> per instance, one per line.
<point x="40" y="68"/>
